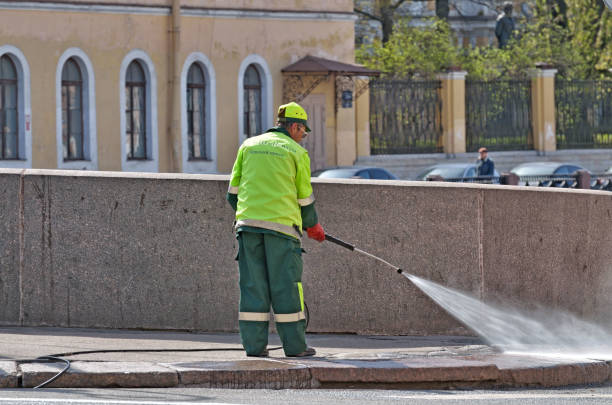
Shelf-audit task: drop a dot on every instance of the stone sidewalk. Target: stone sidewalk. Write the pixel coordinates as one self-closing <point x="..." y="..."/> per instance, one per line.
<point x="173" y="359"/>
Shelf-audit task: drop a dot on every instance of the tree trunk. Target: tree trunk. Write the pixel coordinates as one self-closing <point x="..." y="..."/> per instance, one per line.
<point x="387" y="23"/>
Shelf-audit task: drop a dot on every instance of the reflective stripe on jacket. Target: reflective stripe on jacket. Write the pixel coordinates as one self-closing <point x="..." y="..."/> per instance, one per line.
<point x="271" y="177"/>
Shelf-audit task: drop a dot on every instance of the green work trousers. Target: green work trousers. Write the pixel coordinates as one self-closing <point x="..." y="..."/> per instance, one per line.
<point x="270" y="272"/>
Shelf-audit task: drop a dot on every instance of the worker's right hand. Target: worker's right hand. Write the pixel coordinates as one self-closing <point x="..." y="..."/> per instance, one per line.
<point x="316" y="232"/>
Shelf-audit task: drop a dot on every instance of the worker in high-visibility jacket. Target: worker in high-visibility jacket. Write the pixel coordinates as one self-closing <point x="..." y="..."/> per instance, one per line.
<point x="271" y="193"/>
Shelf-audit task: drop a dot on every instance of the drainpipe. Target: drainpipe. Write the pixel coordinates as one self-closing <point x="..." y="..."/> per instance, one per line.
<point x="174" y="94"/>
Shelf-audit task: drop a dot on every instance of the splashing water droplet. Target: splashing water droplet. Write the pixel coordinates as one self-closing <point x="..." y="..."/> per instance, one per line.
<point x="543" y="332"/>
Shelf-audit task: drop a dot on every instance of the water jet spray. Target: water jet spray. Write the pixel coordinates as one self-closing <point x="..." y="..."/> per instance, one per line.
<point x="545" y="333"/>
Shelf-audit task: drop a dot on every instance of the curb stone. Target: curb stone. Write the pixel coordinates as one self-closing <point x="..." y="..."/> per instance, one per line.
<point x="423" y="373"/>
<point x="271" y="374"/>
<point x="82" y="374"/>
<point x="8" y="375"/>
<point x="556" y="376"/>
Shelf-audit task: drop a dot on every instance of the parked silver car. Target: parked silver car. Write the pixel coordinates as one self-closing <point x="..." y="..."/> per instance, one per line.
<point x="545" y="168"/>
<point x="529" y="173"/>
<point x="356" y="172"/>
<point x="452" y="171"/>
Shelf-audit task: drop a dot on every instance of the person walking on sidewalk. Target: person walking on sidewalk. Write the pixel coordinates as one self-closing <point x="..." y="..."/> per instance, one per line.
<point x="271" y="193"/>
<point x="484" y="165"/>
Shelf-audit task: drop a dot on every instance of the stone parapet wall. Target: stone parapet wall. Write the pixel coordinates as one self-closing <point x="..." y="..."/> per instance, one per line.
<point x="156" y="251"/>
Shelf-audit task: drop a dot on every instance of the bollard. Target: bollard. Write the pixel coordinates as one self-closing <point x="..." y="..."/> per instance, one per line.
<point x="435" y="177"/>
<point x="583" y="179"/>
<point x="509" y="179"/>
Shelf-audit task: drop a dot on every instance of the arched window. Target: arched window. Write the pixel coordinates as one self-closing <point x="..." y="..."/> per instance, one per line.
<point x="255" y="96"/>
<point x="135" y="112"/>
<point x="199" y="115"/>
<point x="252" y="101"/>
<point x="72" y="111"/>
<point x="196" y="113"/>
<point x="75" y="112"/>
<point x="9" y="134"/>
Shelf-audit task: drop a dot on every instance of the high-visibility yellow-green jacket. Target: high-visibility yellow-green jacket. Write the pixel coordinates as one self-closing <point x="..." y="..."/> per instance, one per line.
<point x="271" y="180"/>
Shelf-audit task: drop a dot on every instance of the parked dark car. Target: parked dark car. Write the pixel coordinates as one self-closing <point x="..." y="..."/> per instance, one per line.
<point x="545" y="168"/>
<point x="537" y="169"/>
<point x="355" y="172"/>
<point x="452" y="171"/>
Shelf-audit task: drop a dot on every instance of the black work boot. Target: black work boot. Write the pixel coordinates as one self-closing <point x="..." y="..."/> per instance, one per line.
<point x="262" y="354"/>
<point x="306" y="353"/>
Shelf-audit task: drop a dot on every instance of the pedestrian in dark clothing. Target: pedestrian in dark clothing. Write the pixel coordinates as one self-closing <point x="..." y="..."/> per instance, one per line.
<point x="484" y="165"/>
<point x="504" y="26"/>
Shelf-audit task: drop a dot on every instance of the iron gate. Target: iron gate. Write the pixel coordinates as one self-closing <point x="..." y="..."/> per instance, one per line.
<point x="405" y="117"/>
<point x="498" y="115"/>
<point x="584" y="113"/>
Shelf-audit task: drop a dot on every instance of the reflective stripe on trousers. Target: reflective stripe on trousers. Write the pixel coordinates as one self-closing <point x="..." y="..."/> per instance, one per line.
<point x="265" y="317"/>
<point x="254" y="316"/>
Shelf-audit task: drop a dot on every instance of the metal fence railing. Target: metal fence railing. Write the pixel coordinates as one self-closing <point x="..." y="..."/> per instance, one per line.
<point x="405" y="117"/>
<point x="602" y="182"/>
<point x="557" y="180"/>
<point x="584" y="114"/>
<point x="594" y="181"/>
<point x="479" y="179"/>
<point x="498" y="115"/>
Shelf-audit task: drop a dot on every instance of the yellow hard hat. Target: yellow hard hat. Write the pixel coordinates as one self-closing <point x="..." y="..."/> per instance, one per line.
<point x="293" y="112"/>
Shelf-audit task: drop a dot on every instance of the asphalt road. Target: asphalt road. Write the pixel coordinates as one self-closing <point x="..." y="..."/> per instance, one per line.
<point x="579" y="395"/>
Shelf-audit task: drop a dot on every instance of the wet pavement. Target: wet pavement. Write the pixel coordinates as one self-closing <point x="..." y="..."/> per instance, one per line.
<point x="216" y="360"/>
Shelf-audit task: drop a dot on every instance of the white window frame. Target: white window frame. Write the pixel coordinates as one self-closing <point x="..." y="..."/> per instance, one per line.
<point x="90" y="144"/>
<point x="152" y="162"/>
<point x="267" y="112"/>
<point x="195" y="166"/>
<point x="24" y="118"/>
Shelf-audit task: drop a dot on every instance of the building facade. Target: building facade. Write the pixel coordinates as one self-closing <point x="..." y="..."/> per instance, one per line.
<point x="161" y="85"/>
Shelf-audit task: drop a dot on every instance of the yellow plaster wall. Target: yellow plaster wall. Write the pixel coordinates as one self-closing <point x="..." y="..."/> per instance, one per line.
<point x="280" y="43"/>
<point x="107" y="38"/>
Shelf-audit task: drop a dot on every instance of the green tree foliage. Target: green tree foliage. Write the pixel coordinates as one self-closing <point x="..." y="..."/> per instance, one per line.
<point x="573" y="36"/>
<point x="539" y="41"/>
<point x="590" y="30"/>
<point x="412" y="51"/>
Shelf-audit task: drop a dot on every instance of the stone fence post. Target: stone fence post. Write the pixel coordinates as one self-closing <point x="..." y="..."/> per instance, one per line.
<point x="543" y="109"/>
<point x="509" y="179"/>
<point x="453" y="111"/>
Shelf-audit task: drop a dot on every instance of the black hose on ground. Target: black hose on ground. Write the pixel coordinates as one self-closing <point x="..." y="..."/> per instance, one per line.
<point x="58" y="357"/>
